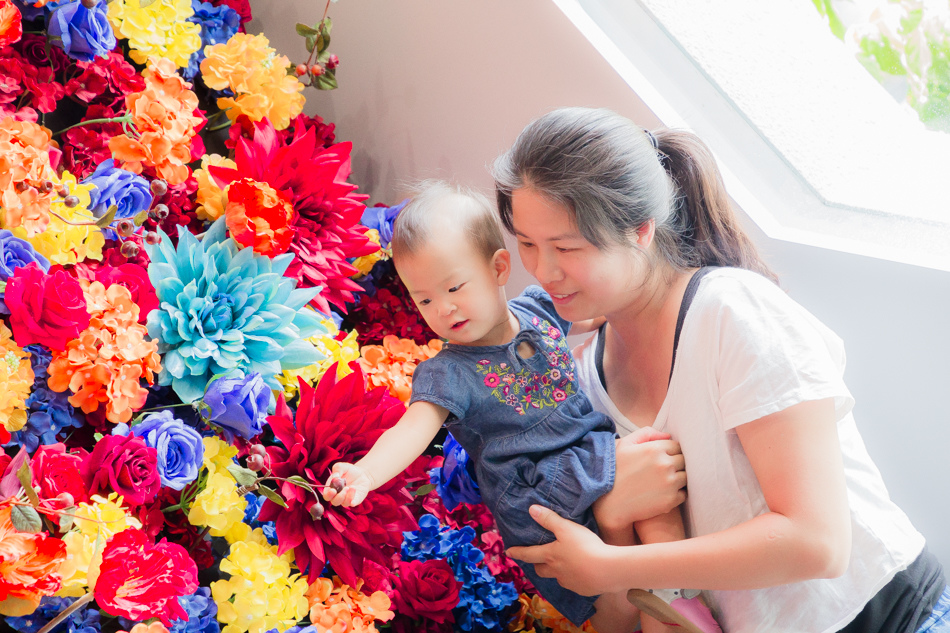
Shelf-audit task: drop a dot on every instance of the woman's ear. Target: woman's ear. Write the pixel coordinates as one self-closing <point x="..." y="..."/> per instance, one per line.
<point x="501" y="265"/>
<point x="645" y="233"/>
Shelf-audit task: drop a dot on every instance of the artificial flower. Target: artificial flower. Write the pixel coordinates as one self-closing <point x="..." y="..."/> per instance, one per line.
<point x="123" y="464"/>
<point x="84" y="620"/>
<point x="27" y="85"/>
<point x="225" y="309"/>
<point x="218" y="24"/>
<point x="164" y="120"/>
<point x="326" y="228"/>
<point x="381" y="219"/>
<point x="426" y="589"/>
<point x="56" y="471"/>
<point x="257" y="76"/>
<point x="392" y="364"/>
<point x="335" y="421"/>
<point x="16" y="379"/>
<point x="365" y="263"/>
<point x="338" y="349"/>
<point x="182" y="209"/>
<point x="87" y="146"/>
<point x="24" y="171"/>
<point x="325" y="132"/>
<point x="218" y="454"/>
<point x="29" y="566"/>
<point x="105" y="80"/>
<point x="453" y="480"/>
<point x="179" y="448"/>
<point x="260" y="217"/>
<point x="238" y="405"/>
<point x="11" y="23"/>
<point x="218" y="506"/>
<point x="84" y="33"/>
<point x="132" y="276"/>
<point x="150" y="627"/>
<point x="211" y="198"/>
<point x="388" y="311"/>
<point x="158" y="29"/>
<point x="546" y="615"/>
<point x="339" y="608"/>
<point x="139" y="580"/>
<point x="115" y="187"/>
<point x="201" y="610"/>
<point x="45" y="309"/>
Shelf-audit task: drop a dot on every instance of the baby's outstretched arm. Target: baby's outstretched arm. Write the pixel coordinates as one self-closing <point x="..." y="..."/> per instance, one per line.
<point x="393" y="452"/>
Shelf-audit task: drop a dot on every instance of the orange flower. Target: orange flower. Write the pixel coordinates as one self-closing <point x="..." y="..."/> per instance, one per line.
<point x="163" y="117"/>
<point x="392" y="364"/>
<point x="259" y="216"/>
<point x="11" y="23"/>
<point x="142" y="627"/>
<point x="110" y="358"/>
<point x="29" y="566"/>
<point x="24" y="171"/>
<point x="335" y="607"/>
<point x="542" y="611"/>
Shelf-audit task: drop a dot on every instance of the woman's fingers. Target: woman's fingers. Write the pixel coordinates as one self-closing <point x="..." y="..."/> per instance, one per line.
<point x="534" y="554"/>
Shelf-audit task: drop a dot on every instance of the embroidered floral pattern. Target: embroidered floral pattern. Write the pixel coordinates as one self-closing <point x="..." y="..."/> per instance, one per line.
<point x="526" y="388"/>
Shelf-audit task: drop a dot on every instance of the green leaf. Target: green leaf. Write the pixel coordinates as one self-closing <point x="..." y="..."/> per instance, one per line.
<point x="273" y="496"/>
<point x="107" y="219"/>
<point x="140" y="217"/>
<point x="327" y="81"/>
<point x="3" y="287"/>
<point x="26" y="519"/>
<point x="311" y="42"/>
<point x="66" y="520"/>
<point x="97" y="436"/>
<point x="297" y="480"/>
<point x="25" y="475"/>
<point x="244" y="476"/>
<point x="304" y="30"/>
<point x="423" y="490"/>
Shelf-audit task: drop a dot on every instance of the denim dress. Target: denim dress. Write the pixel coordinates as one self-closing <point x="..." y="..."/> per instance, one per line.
<point x="533" y="436"/>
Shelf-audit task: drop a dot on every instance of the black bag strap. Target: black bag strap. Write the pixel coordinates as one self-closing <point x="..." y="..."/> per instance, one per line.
<point x="691" y="289"/>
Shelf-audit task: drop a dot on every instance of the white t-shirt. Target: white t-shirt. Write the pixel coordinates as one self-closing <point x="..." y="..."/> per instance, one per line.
<point x="746" y="350"/>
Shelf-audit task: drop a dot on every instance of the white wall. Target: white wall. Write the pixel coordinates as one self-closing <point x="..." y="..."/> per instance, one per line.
<point x="439" y="88"/>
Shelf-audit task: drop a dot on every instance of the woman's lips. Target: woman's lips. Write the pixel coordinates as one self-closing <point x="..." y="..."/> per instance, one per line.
<point x="562" y="299"/>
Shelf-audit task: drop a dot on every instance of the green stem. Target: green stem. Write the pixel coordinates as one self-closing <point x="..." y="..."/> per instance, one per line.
<point x="220" y="127"/>
<point x="119" y="119"/>
<point x="68" y="611"/>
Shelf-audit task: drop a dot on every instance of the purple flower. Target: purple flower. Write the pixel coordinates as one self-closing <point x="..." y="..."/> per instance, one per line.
<point x="238" y="405"/>
<point x="15" y="253"/>
<point x="454" y="481"/>
<point x="83" y="33"/>
<point x="129" y="192"/>
<point x="179" y="447"/>
<point x="381" y="219"/>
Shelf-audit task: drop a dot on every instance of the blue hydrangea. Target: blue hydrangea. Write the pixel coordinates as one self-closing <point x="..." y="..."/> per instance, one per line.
<point x="84" y="33"/>
<point x="85" y="620"/>
<point x="254" y="504"/>
<point x="201" y="610"/>
<point x="225" y="309"/>
<point x="218" y="24"/>
<point x="453" y="481"/>
<point x="49" y="412"/>
<point x="382" y="219"/>
<point x="482" y="599"/>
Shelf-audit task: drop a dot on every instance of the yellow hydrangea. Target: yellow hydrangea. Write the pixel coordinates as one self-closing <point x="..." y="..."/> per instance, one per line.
<point x="158" y="28"/>
<point x="16" y="381"/>
<point x="63" y="242"/>
<point x="334" y="351"/>
<point x="218" y="455"/>
<point x="94" y="524"/>
<point x="218" y="506"/>
<point x="211" y="199"/>
<point x="261" y="593"/>
<point x="257" y="75"/>
<point x="365" y="263"/>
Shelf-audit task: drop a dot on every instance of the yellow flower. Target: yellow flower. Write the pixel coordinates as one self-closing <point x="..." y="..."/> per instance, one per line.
<point x="210" y="197"/>
<point x="64" y="243"/>
<point x="218" y="506"/>
<point x="257" y="75"/>
<point x="158" y="28"/>
<point x="218" y="454"/>
<point x="95" y="523"/>
<point x="261" y="593"/>
<point x="365" y="263"/>
<point x="16" y="381"/>
<point x="340" y="352"/>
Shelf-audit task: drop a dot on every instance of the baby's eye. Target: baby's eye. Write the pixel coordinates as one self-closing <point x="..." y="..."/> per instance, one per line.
<point x="455" y="288"/>
<point x="425" y="302"/>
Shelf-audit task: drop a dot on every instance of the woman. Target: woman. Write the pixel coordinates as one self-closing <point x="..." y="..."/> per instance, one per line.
<point x="791" y="526"/>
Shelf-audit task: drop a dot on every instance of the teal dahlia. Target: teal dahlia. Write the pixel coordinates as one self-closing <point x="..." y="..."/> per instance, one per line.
<point x="225" y="309"/>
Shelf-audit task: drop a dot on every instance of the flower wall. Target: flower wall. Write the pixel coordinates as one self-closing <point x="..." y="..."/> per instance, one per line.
<point x="198" y="316"/>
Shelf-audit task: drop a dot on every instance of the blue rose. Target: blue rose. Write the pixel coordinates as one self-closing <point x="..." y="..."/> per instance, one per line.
<point x="129" y="192"/>
<point x="15" y="253"/>
<point x="218" y="24"/>
<point x="454" y="481"/>
<point x="238" y="405"/>
<point x="83" y="33"/>
<point x="179" y="447"/>
<point x="381" y="219"/>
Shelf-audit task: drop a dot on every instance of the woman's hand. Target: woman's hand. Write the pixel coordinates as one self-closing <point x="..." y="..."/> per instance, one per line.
<point x="577" y="557"/>
<point x="649" y="481"/>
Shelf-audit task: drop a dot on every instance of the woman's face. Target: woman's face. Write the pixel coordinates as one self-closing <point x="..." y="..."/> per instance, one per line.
<point x="584" y="281"/>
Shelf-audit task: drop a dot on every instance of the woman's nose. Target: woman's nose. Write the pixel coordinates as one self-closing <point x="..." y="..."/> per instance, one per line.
<point x="548" y="270"/>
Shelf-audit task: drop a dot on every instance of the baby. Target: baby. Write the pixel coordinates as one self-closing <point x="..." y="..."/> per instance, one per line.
<point x="504" y="385"/>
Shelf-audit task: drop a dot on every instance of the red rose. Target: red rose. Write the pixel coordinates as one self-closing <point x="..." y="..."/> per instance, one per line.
<point x="426" y="589"/>
<point x="124" y="464"/>
<point x="55" y="471"/>
<point x="45" y="309"/>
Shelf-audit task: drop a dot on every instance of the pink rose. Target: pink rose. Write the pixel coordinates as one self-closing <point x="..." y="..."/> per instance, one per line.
<point x="123" y="464"/>
<point x="45" y="309"/>
<point x="55" y="471"/>
<point x="426" y="589"/>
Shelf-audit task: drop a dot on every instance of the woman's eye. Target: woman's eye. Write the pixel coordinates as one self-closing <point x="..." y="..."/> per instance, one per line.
<point x="525" y="244"/>
<point x="561" y="249"/>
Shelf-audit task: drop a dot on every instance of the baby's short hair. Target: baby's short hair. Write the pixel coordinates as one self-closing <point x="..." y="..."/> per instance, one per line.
<point x="435" y="201"/>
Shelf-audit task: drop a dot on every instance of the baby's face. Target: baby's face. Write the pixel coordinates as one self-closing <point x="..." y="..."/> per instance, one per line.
<point x="457" y="289"/>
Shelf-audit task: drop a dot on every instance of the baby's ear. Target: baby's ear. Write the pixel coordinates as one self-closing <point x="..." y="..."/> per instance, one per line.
<point x="501" y="264"/>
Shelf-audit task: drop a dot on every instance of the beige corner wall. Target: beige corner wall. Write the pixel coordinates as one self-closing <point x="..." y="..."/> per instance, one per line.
<point x="438" y="88"/>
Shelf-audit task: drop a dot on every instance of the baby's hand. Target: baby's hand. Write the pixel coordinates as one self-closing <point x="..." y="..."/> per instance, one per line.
<point x="348" y="485"/>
